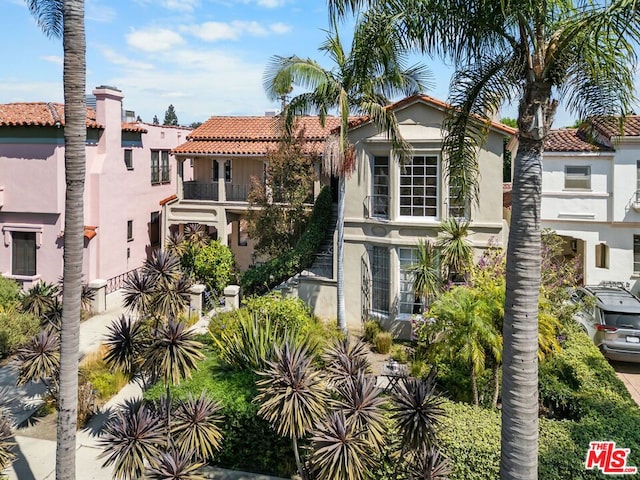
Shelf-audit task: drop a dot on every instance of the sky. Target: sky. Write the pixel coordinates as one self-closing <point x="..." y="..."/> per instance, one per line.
<point x="206" y="57"/>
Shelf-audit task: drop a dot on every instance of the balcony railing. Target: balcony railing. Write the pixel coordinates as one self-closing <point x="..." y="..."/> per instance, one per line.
<point x="376" y="206"/>
<point x="200" y="191"/>
<point x="237" y="193"/>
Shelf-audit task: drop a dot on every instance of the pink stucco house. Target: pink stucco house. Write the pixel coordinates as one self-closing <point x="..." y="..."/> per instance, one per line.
<point x="128" y="173"/>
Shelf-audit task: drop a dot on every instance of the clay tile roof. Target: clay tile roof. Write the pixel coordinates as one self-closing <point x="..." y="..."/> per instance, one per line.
<point x="436" y="103"/>
<point x="133" y="127"/>
<point x="571" y="140"/>
<point x="251" y="135"/>
<point x="38" y="114"/>
<point x="90" y="231"/>
<point x="168" y="199"/>
<point x="610" y="126"/>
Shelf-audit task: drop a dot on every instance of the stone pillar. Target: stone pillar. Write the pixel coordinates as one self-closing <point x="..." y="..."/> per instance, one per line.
<point x="232" y="297"/>
<point x="222" y="191"/>
<point x="99" y="302"/>
<point x="195" y="305"/>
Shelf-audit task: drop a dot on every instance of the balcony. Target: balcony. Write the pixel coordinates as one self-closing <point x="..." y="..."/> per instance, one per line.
<point x="376" y="206"/>
<point x="237" y="193"/>
<point x="200" y="191"/>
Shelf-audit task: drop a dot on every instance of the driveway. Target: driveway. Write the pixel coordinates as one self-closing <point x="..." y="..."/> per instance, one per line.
<point x="629" y="373"/>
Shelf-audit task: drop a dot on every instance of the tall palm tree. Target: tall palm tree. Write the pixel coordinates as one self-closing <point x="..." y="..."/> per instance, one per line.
<point x="530" y="51"/>
<point x="66" y="18"/>
<point x="361" y="83"/>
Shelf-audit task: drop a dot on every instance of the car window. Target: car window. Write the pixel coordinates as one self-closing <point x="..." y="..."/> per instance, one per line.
<point x="622" y="320"/>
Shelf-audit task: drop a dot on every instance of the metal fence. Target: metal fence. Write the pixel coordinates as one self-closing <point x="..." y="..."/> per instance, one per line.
<point x="117" y="282"/>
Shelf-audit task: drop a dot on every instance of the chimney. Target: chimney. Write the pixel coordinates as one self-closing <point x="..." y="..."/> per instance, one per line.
<point x="109" y="115"/>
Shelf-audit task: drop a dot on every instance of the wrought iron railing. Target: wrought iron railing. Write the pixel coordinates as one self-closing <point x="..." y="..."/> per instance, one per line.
<point x="117" y="282"/>
<point x="200" y="191"/>
<point x="376" y="206"/>
<point x="237" y="193"/>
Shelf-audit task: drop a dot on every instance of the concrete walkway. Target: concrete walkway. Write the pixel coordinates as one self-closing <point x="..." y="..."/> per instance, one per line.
<point x="36" y="458"/>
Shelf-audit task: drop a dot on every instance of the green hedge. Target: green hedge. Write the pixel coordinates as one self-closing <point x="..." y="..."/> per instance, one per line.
<point x="584" y="386"/>
<point x="249" y="444"/>
<point x="260" y="279"/>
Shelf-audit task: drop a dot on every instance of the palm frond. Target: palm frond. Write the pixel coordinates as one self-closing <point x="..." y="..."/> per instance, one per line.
<point x="48" y="16"/>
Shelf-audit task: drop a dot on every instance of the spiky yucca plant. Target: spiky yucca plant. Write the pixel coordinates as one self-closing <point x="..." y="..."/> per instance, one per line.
<point x="174" y="465"/>
<point x="346" y="358"/>
<point x="39" y="299"/>
<point x="7" y="454"/>
<point x="125" y="343"/>
<point x="196" y="427"/>
<point x="455" y="249"/>
<point x="429" y="463"/>
<point x="138" y="293"/>
<point x="291" y="395"/>
<point x="39" y="360"/>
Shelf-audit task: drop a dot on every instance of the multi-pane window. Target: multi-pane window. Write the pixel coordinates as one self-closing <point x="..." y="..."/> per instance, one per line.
<point x="128" y="159"/>
<point x="577" y="177"/>
<point x="408" y="301"/>
<point x="160" y="170"/>
<point x="129" y="230"/>
<point x="380" y="189"/>
<point x="23" y="258"/>
<point x="636" y="254"/>
<point x="419" y="187"/>
<point x="379" y="261"/>
<point x="154" y="229"/>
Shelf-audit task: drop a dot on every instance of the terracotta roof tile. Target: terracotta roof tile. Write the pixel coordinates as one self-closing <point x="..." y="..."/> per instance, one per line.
<point x="610" y="126"/>
<point x="38" y="114"/>
<point x="133" y="127"/>
<point x="251" y="136"/>
<point x="90" y="231"/>
<point x="168" y="199"/>
<point x="571" y="140"/>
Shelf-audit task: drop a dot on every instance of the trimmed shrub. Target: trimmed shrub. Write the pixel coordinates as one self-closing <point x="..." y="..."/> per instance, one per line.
<point x="383" y="342"/>
<point x="16" y="329"/>
<point x="371" y="329"/>
<point x="213" y="265"/>
<point x="9" y="292"/>
<point x="260" y="279"/>
<point x="399" y="353"/>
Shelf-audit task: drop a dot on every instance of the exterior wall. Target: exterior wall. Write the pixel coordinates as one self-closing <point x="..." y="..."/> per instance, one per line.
<point x="32" y="174"/>
<point x="420" y="124"/>
<point x="605" y="214"/>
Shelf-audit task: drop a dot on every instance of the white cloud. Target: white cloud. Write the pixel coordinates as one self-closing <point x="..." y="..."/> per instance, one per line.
<point x="154" y="39"/>
<point x="118" y="59"/>
<point x="17" y="90"/>
<point x="271" y="3"/>
<point x="55" y="59"/>
<point x="99" y="13"/>
<point x="216" y="31"/>
<point x="175" y="5"/>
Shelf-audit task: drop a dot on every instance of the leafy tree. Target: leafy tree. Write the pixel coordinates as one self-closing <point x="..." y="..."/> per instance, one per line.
<point x="282" y="199"/>
<point x="361" y="83"/>
<point x="510" y="122"/>
<point x="170" y="117"/>
<point x="195" y="125"/>
<point x="66" y="19"/>
<point x="525" y="51"/>
<point x="138" y="119"/>
<point x="214" y="265"/>
<point x="9" y="292"/>
<point x="155" y="120"/>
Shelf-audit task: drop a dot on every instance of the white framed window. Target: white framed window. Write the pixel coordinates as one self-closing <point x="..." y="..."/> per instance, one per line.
<point x="419" y="187"/>
<point x="577" y="177"/>
<point x="379" y="261"/>
<point x="408" y="302"/>
<point x="379" y="206"/>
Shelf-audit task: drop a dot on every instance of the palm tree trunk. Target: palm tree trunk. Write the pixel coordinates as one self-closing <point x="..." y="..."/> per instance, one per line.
<point x="342" y="322"/>
<point x="75" y="131"/>
<point x="496" y="386"/>
<point x="519" y="452"/>
<point x="474" y="385"/>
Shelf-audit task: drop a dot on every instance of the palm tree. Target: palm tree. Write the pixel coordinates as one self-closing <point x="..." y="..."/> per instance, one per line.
<point x="361" y="83"/>
<point x="66" y="19"/>
<point x="455" y="250"/>
<point x="528" y="51"/>
<point x="427" y="281"/>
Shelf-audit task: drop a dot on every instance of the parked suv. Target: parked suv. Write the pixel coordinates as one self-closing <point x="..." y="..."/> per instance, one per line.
<point x="610" y="315"/>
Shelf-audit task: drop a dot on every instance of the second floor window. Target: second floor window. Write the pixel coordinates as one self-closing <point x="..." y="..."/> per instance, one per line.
<point x="129" y="230"/>
<point x="577" y="177"/>
<point x="128" y="159"/>
<point x="419" y="187"/>
<point x="380" y="193"/>
<point x="154" y="229"/>
<point x="160" y="170"/>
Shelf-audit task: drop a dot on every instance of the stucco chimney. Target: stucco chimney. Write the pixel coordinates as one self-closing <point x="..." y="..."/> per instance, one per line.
<point x="109" y="115"/>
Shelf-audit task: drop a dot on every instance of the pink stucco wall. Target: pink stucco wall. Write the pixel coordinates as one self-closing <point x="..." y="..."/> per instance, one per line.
<point x="33" y="179"/>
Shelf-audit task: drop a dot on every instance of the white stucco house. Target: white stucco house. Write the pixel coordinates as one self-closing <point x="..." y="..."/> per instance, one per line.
<point x="591" y="196"/>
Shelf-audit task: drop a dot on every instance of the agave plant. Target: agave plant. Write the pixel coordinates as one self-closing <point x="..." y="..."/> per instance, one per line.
<point x="39" y="360"/>
<point x="139" y="293"/>
<point x="416" y="411"/>
<point x="346" y="359"/>
<point x="131" y="439"/>
<point x="338" y="451"/>
<point x="174" y="465"/>
<point x="125" y="342"/>
<point x="173" y="352"/>
<point x="362" y="404"/>
<point x="39" y="299"/>
<point x="196" y="428"/>
<point x="291" y="395"/>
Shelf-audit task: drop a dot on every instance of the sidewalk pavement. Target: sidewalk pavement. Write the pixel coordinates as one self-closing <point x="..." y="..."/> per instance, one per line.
<point x="36" y="458"/>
